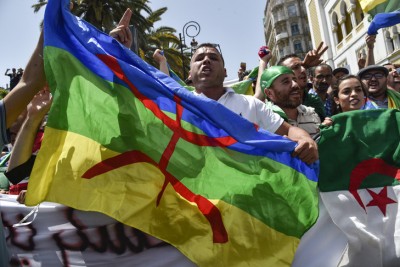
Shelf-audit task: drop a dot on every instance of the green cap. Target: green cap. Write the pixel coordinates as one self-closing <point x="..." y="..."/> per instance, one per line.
<point x="269" y="75"/>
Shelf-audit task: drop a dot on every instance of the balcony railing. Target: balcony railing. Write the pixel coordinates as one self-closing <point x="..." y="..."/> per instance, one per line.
<point x="281" y="36"/>
<point x="280" y="17"/>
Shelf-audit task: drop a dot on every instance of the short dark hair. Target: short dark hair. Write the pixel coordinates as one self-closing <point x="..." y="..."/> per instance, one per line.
<point x="280" y="61"/>
<point x="312" y="70"/>
<point x="216" y="46"/>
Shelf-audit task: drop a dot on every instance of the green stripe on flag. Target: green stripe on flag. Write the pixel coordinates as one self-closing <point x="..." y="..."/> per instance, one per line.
<point x="284" y="192"/>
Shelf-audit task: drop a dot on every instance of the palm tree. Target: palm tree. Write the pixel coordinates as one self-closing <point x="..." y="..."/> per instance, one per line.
<point x="105" y="15"/>
<point x="164" y="38"/>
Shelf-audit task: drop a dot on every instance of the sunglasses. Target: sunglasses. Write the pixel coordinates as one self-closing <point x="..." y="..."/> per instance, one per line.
<point x="370" y="75"/>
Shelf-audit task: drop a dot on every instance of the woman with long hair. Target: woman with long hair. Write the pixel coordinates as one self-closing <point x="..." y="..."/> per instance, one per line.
<point x="349" y="93"/>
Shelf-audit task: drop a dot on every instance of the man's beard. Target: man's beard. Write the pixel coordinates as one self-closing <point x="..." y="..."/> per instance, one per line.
<point x="289" y="104"/>
<point x="322" y="87"/>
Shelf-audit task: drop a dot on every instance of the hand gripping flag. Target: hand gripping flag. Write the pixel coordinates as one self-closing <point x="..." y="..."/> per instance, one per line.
<point x="128" y="141"/>
<point x="384" y="13"/>
<point x="359" y="184"/>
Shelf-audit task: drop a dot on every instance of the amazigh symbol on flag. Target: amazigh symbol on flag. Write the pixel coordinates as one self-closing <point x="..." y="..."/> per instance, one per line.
<point x="362" y="171"/>
<point x="157" y="130"/>
<point x="209" y="210"/>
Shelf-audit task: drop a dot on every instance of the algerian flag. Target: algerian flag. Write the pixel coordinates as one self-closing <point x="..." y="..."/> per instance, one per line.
<point x="359" y="184"/>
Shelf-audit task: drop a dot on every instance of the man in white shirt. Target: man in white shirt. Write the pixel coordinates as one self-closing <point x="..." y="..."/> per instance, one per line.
<point x="208" y="73"/>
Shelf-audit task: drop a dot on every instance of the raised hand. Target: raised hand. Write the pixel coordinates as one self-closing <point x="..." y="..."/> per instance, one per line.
<point x="264" y="53"/>
<point x="159" y="56"/>
<point x="370" y="41"/>
<point x="313" y="57"/>
<point x="361" y="60"/>
<point x="40" y="105"/>
<point x="122" y="33"/>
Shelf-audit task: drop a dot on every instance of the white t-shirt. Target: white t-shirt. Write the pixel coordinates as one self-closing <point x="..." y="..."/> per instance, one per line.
<point x="250" y="108"/>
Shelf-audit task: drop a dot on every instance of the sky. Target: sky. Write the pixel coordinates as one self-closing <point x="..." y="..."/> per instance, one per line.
<point x="236" y="25"/>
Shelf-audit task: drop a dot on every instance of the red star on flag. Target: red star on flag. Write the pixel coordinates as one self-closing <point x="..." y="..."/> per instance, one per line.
<point x="380" y="200"/>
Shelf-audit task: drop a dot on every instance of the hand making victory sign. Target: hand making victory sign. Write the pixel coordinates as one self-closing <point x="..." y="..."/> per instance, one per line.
<point x="313" y="57"/>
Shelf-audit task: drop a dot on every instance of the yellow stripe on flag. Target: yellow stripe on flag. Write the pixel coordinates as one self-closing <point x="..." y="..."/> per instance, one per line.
<point x="368" y="5"/>
<point x="129" y="194"/>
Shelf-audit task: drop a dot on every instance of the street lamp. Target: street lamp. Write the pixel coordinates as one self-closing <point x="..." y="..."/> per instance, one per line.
<point x="194" y="28"/>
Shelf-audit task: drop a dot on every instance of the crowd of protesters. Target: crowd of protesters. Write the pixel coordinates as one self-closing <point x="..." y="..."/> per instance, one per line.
<point x="304" y="93"/>
<point x="307" y="92"/>
<point x="292" y="99"/>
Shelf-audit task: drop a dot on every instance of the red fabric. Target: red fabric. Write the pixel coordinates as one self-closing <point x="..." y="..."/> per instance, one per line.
<point x="16" y="189"/>
<point x="38" y="141"/>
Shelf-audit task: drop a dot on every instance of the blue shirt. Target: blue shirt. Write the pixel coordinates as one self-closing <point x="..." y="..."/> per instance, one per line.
<point x="380" y="103"/>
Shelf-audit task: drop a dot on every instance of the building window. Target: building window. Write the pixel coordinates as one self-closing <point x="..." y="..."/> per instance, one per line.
<point x="358" y="12"/>
<point x="295" y="29"/>
<point x="292" y="12"/>
<point x="339" y="33"/>
<point x="346" y="19"/>
<point x="389" y="42"/>
<point x="298" y="47"/>
<point x="281" y="52"/>
<point x="396" y="38"/>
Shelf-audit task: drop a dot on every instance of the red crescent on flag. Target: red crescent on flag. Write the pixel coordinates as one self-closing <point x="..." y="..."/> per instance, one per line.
<point x="366" y="168"/>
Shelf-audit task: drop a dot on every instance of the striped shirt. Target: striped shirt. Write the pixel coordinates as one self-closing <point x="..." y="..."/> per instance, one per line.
<point x="307" y="119"/>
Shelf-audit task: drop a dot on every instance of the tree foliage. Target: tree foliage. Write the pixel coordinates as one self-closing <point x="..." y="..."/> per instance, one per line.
<point x="105" y="15"/>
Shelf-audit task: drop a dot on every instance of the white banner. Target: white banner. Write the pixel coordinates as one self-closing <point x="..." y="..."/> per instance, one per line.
<point x="61" y="236"/>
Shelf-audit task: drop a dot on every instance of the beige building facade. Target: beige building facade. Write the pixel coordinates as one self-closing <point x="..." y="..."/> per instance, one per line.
<point x="286" y="28"/>
<point x="342" y="25"/>
<point x="296" y="26"/>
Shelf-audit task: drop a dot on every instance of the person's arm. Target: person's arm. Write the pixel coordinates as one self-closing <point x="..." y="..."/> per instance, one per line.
<point x="264" y="59"/>
<point x="361" y="61"/>
<point x="6" y="73"/>
<point x="122" y="33"/>
<point x="161" y="60"/>
<point x="31" y="82"/>
<point x="306" y="149"/>
<point x="37" y="109"/>
<point x="313" y="57"/>
<point x="370" y="40"/>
